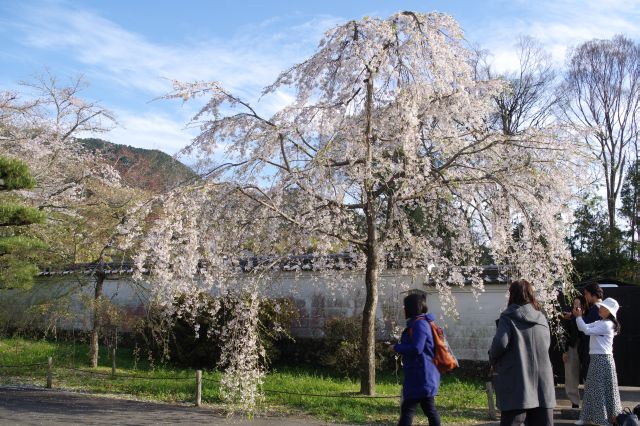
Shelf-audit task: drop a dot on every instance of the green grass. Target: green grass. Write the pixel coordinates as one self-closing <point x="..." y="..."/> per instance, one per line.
<point x="460" y="401"/>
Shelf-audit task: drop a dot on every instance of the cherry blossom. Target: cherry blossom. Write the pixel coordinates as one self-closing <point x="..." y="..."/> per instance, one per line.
<point x="386" y="153"/>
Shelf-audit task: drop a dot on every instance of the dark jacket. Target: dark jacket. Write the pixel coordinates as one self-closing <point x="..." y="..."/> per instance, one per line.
<point x="520" y="356"/>
<point x="572" y="334"/>
<point x="421" y="377"/>
<point x="592" y="315"/>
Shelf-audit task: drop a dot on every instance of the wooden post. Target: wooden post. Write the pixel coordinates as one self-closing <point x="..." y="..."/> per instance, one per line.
<point x="198" y="388"/>
<point x="492" y="407"/>
<point x="49" y="372"/>
<point x="113" y="362"/>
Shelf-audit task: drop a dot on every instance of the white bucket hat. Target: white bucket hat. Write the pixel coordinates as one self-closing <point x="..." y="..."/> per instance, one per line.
<point x="611" y="304"/>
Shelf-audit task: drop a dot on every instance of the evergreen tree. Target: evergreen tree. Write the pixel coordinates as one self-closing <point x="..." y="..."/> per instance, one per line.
<point x="592" y="243"/>
<point x="17" y="251"/>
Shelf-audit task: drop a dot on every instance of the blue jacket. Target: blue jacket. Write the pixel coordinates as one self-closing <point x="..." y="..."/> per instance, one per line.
<point x="421" y="377"/>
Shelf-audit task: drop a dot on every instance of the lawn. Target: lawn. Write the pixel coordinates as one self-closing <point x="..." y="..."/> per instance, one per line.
<point x="461" y="400"/>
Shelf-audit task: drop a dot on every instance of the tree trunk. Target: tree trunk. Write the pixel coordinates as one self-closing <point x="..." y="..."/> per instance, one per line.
<point x="368" y="339"/>
<point x="95" y="330"/>
<point x="634" y="216"/>
<point x="611" y="210"/>
<point x="611" y="207"/>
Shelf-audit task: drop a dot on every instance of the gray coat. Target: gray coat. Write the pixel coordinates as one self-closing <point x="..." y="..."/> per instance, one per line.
<point x="519" y="355"/>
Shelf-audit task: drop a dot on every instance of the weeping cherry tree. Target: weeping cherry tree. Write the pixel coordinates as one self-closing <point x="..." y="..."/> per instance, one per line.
<point x="386" y="150"/>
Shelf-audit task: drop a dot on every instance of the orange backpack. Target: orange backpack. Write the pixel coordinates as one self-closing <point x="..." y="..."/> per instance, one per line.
<point x="443" y="357"/>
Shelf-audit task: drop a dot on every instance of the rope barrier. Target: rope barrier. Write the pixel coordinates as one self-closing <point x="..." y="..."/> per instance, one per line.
<point x="124" y="376"/>
<point x="321" y="395"/>
<point x="328" y="395"/>
<point x="131" y="376"/>
<point x="24" y="365"/>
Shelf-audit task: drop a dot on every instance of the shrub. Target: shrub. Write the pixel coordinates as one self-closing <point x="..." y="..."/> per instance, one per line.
<point x="342" y="349"/>
<point x="179" y="343"/>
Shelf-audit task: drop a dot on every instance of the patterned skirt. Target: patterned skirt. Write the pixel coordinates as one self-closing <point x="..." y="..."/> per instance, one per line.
<point x="601" y="395"/>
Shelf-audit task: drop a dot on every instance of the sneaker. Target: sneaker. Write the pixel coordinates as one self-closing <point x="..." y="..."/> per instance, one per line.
<point x="579" y="422"/>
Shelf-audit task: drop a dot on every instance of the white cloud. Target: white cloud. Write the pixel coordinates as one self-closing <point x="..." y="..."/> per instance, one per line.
<point x="116" y="59"/>
<point x="244" y="63"/>
<point x="156" y="130"/>
<point x="558" y="25"/>
<point x="151" y="131"/>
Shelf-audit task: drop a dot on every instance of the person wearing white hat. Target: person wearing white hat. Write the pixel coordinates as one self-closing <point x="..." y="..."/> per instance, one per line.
<point x="601" y="401"/>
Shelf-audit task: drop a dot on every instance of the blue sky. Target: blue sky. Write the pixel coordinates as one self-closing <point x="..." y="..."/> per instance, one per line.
<point x="129" y="50"/>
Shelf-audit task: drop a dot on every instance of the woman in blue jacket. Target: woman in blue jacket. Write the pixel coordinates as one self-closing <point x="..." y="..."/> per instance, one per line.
<point x="421" y="377"/>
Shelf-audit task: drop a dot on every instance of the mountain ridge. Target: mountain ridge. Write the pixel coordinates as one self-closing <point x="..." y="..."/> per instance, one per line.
<point x="148" y="169"/>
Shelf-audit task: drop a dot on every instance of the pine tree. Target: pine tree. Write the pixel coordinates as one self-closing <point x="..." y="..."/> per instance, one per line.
<point x="17" y="251"/>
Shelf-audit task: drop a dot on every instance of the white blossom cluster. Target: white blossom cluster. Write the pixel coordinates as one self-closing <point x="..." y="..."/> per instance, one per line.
<point x="195" y="243"/>
<point x="386" y="153"/>
<point x="42" y="131"/>
<point x="242" y="355"/>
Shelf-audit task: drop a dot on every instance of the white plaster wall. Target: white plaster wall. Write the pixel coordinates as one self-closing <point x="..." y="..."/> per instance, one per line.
<point x="342" y="294"/>
<point x="471" y="333"/>
<point x="327" y="295"/>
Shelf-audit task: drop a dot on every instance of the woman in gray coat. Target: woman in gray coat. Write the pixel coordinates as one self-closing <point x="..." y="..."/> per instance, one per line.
<point x="519" y="355"/>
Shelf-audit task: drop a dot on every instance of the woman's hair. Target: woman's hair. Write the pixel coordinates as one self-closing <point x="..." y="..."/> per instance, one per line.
<point x="616" y="323"/>
<point x="415" y="304"/>
<point x="521" y="293"/>
<point x="583" y="301"/>
<point x="594" y="289"/>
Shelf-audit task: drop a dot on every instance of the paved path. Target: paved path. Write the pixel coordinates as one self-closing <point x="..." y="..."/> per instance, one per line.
<point x="45" y="407"/>
<point x="36" y="406"/>
<point x="565" y="415"/>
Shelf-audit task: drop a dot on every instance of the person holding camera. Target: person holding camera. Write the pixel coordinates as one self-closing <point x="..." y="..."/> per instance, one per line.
<point x="593" y="295"/>
<point x="571" y="354"/>
<point x="601" y="402"/>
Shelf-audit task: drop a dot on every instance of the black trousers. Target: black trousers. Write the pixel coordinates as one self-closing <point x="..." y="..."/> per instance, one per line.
<point x="540" y="416"/>
<point x="408" y="411"/>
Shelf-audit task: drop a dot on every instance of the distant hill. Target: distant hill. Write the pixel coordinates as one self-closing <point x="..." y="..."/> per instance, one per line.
<point x="148" y="169"/>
